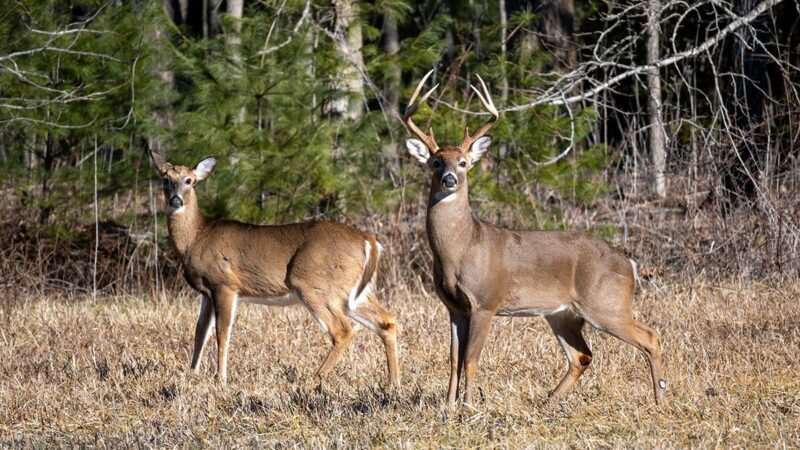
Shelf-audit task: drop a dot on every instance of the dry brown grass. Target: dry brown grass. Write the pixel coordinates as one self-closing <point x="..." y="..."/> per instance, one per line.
<point x="113" y="373"/>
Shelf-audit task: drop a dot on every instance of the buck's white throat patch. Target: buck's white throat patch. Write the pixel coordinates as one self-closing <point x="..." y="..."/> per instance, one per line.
<point x="444" y="197"/>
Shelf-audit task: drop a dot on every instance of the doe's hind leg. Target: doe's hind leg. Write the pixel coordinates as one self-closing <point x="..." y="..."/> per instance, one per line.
<point x="567" y="328"/>
<point x="381" y="322"/>
<point x="334" y="321"/>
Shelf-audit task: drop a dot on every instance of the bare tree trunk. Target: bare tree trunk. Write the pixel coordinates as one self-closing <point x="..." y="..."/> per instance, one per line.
<point x="556" y="29"/>
<point x="177" y="11"/>
<point x="391" y="89"/>
<point x="348" y="42"/>
<point x="235" y="8"/>
<point x="748" y="84"/>
<point x="205" y="19"/>
<point x="658" y="152"/>
<point x="503" y="49"/>
<point x="503" y="150"/>
<point x="212" y="19"/>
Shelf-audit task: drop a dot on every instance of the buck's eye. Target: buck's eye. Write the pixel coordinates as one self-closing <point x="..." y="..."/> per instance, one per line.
<point x="166" y="183"/>
<point x="437" y="164"/>
<point x="188" y="181"/>
<point x="462" y="164"/>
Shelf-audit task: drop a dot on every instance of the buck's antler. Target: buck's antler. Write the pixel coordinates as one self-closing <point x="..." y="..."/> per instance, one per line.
<point x="412" y="108"/>
<point x="486" y="100"/>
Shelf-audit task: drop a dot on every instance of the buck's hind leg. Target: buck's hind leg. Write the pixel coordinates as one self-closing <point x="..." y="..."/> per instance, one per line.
<point x="372" y="315"/>
<point x="568" y="330"/>
<point x="645" y="339"/>
<point x="610" y="310"/>
<point x="205" y="321"/>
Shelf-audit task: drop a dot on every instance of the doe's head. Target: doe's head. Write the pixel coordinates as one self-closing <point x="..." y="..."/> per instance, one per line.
<point x="451" y="163"/>
<point x="179" y="181"/>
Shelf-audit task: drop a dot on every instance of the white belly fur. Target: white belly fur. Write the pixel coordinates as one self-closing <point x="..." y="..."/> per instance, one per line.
<point x="533" y="312"/>
<point x="282" y="300"/>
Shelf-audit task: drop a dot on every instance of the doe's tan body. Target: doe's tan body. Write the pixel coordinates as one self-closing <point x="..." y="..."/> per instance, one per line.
<point x="327" y="267"/>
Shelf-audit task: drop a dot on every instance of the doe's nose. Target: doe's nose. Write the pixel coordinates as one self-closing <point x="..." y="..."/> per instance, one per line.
<point x="449" y="180"/>
<point x="176" y="202"/>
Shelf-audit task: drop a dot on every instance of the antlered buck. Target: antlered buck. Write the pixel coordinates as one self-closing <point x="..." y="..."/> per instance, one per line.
<point x="327" y="267"/>
<point x="482" y="271"/>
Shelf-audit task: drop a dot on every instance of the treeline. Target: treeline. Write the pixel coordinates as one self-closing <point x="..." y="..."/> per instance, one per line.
<point x="648" y="106"/>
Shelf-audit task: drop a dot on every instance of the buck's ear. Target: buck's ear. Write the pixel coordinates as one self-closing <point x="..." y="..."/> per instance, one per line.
<point x="479" y="147"/>
<point x="418" y="149"/>
<point x="204" y="168"/>
<point x="159" y="163"/>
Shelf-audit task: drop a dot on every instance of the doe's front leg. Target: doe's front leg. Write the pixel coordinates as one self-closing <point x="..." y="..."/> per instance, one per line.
<point x="225" y="304"/>
<point x="205" y="321"/>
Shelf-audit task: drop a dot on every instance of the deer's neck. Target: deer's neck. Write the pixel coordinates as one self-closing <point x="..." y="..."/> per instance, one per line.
<point x="185" y="224"/>
<point x="450" y="225"/>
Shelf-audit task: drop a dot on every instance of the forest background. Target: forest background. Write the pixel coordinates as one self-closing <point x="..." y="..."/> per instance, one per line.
<point x="667" y="128"/>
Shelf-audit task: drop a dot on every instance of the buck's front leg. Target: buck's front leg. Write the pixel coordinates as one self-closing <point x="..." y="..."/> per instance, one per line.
<point x="459" y="333"/>
<point x="203" y="330"/>
<point x="225" y="303"/>
<point x="479" y="326"/>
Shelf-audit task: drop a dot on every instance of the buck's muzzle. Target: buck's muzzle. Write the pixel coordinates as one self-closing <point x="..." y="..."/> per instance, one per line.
<point x="176" y="202"/>
<point x="449" y="181"/>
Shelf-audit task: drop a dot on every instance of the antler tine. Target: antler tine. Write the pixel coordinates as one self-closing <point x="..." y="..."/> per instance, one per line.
<point x="413" y="106"/>
<point x="417" y="90"/>
<point x="486" y="101"/>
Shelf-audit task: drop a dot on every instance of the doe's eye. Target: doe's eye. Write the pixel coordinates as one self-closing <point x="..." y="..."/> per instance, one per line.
<point x="188" y="181"/>
<point x="437" y="164"/>
<point x="463" y="164"/>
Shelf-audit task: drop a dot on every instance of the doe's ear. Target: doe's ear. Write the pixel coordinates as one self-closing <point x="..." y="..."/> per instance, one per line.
<point x="159" y="163"/>
<point x="479" y="147"/>
<point x="204" y="168"/>
<point x="418" y="149"/>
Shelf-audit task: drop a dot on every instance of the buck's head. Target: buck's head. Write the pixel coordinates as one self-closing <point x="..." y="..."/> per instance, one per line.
<point x="179" y="181"/>
<point x="451" y="163"/>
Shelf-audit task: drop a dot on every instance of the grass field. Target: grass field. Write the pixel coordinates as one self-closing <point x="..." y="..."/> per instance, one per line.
<point x="113" y="373"/>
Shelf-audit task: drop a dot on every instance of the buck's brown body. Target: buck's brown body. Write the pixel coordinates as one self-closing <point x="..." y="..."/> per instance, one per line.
<point x="482" y="271"/>
<point x="532" y="273"/>
<point x="327" y="267"/>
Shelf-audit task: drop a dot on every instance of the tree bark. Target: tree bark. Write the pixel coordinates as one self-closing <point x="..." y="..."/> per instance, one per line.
<point x="348" y="42"/>
<point x="233" y="40"/>
<point x="235" y="8"/>
<point x="503" y="150"/>
<point x="177" y="12"/>
<point x="391" y="89"/>
<point x="556" y="26"/>
<point x="658" y="152"/>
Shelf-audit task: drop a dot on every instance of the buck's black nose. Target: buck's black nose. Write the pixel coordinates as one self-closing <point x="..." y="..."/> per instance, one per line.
<point x="176" y="202"/>
<point x="449" y="181"/>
